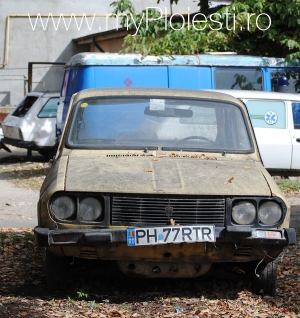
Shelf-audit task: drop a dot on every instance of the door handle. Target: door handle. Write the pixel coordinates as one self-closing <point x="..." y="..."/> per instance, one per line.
<point x="298" y="139"/>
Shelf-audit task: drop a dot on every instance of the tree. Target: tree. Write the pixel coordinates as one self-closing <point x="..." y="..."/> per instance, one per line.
<point x="251" y="27"/>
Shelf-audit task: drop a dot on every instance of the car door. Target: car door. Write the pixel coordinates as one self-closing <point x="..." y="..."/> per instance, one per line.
<point x="295" y="134"/>
<point x="269" y="121"/>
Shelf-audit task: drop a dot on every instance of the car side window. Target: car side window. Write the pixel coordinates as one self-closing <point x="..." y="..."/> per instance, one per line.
<point x="296" y="115"/>
<point x="267" y="113"/>
<point x="238" y="79"/>
<point x="50" y="108"/>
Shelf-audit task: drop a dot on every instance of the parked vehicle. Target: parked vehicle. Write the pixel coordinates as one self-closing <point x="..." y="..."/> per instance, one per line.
<point x="276" y="121"/>
<point x="168" y="199"/>
<point x="32" y="124"/>
<point x="204" y="71"/>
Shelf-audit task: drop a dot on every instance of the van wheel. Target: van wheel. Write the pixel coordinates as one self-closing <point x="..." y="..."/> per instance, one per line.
<point x="56" y="269"/>
<point x="265" y="278"/>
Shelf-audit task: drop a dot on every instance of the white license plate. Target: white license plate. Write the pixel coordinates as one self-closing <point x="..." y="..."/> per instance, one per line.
<point x="170" y="234"/>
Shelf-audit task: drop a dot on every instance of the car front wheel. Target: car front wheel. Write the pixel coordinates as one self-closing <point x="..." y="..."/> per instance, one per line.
<point x="265" y="278"/>
<point x="56" y="270"/>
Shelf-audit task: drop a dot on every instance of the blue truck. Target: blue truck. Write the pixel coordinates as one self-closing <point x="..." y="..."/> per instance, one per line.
<point x="204" y="71"/>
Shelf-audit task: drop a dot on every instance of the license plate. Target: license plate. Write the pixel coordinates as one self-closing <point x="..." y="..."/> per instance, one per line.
<point x="170" y="234"/>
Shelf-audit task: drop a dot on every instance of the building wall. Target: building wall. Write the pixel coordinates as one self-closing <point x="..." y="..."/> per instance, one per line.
<point x="23" y="40"/>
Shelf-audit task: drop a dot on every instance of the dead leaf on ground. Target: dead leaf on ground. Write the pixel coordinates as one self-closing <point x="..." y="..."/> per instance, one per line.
<point x="148" y="170"/>
<point x="229" y="181"/>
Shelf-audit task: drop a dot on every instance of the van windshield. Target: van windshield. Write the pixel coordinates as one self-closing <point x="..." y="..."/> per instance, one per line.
<point x="158" y="123"/>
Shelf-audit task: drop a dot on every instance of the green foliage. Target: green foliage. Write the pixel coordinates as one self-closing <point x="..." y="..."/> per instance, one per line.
<point x="253" y="27"/>
<point x="82" y="294"/>
<point x="70" y="299"/>
<point x="93" y="304"/>
<point x="289" y="185"/>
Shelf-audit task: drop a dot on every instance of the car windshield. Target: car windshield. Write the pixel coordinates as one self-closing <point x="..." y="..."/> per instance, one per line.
<point x="158" y="123"/>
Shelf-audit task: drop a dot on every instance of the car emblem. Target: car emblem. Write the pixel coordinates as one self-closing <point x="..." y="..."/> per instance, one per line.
<point x="168" y="210"/>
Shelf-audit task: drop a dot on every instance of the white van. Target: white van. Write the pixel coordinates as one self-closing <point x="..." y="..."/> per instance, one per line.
<point x="276" y="121"/>
<point x="32" y="123"/>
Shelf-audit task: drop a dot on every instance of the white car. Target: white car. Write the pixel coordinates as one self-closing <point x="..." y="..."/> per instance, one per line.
<point x="276" y="121"/>
<point x="31" y="125"/>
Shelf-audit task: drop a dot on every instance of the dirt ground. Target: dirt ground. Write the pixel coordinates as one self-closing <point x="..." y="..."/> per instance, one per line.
<point x="99" y="290"/>
<point x="19" y="191"/>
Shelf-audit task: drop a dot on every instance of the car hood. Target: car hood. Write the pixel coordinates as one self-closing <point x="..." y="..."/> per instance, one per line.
<point x="166" y="175"/>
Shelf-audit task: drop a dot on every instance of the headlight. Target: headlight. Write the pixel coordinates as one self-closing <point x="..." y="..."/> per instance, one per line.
<point x="269" y="212"/>
<point x="243" y="213"/>
<point x="63" y="207"/>
<point x="90" y="209"/>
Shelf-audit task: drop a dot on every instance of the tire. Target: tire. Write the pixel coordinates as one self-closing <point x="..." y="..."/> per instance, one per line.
<point x="265" y="278"/>
<point x="56" y="270"/>
<point x="45" y="153"/>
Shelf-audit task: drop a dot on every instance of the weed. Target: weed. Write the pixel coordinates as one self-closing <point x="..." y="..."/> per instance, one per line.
<point x="3" y="236"/>
<point x="29" y="236"/>
<point x="106" y="301"/>
<point x="82" y="294"/>
<point x="17" y="238"/>
<point x="289" y="185"/>
<point x="93" y="304"/>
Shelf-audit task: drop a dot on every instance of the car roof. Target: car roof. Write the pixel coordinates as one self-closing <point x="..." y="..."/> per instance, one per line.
<point x="156" y="92"/>
<point x="244" y="94"/>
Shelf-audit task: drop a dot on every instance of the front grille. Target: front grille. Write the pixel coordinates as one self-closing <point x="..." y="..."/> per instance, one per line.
<point x="127" y="210"/>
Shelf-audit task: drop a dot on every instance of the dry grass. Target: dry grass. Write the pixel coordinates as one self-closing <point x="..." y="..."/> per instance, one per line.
<point x="29" y="175"/>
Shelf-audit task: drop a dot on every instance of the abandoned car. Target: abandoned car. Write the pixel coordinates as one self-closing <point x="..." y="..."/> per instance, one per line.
<point x="164" y="182"/>
<point x="31" y="125"/>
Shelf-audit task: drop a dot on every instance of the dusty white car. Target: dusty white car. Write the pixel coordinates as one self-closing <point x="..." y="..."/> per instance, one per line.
<point x="31" y="125"/>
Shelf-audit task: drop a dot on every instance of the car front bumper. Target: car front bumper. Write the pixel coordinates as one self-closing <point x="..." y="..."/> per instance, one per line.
<point x="111" y="244"/>
<point x="30" y="145"/>
<point x="46" y="238"/>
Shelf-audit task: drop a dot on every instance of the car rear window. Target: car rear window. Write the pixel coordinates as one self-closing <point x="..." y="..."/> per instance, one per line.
<point x="23" y="108"/>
